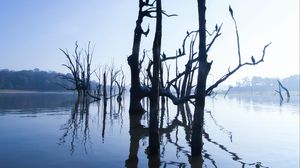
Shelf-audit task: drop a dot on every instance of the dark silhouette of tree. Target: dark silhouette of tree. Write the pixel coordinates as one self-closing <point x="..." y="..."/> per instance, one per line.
<point x="79" y="64"/>
<point x="104" y="86"/>
<point x="113" y="79"/>
<point x="79" y="117"/>
<point x="171" y="136"/>
<point x="136" y="91"/>
<point x="284" y="88"/>
<point x="183" y="82"/>
<point x="80" y="67"/>
<point x="204" y="68"/>
<point x="280" y="86"/>
<point x="154" y="96"/>
<point x="121" y="86"/>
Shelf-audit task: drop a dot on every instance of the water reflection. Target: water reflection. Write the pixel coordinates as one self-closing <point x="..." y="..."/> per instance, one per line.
<point x="87" y="129"/>
<point x="24" y="101"/>
<point x="79" y="120"/>
<point x="183" y="120"/>
<point x="221" y="128"/>
<point x="76" y="132"/>
<point x="77" y="128"/>
<point x="265" y="99"/>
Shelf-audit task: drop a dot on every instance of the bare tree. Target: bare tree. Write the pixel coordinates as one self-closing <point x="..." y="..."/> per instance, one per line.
<point x="136" y="91"/>
<point x="73" y="66"/>
<point x="154" y="96"/>
<point x="121" y="86"/>
<point x="99" y="85"/>
<point x="182" y="83"/>
<point x="79" y="65"/>
<point x="113" y="78"/>
<point x="104" y="85"/>
<point x="204" y="68"/>
<point x="89" y="58"/>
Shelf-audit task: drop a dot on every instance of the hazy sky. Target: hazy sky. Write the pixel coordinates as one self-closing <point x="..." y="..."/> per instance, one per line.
<point x="31" y="32"/>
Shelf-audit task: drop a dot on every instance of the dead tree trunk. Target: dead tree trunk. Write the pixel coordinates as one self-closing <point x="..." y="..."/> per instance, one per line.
<point x="89" y="58"/>
<point x="280" y="95"/>
<point x="112" y="80"/>
<point x="99" y="86"/>
<point x="73" y="66"/>
<point x="286" y="90"/>
<point x="154" y="147"/>
<point x="133" y="61"/>
<point x="80" y="67"/>
<point x="104" y="86"/>
<point x="121" y="87"/>
<point x="203" y="70"/>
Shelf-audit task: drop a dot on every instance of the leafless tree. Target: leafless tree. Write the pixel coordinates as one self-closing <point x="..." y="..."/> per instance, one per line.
<point x="98" y="91"/>
<point x="79" y="65"/>
<point x="197" y="67"/>
<point x="204" y="68"/>
<point x="73" y="66"/>
<point x="136" y="91"/>
<point x="154" y="96"/>
<point x="121" y="86"/>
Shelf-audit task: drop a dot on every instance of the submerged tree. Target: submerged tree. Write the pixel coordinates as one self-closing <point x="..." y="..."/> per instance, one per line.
<point x="204" y="68"/>
<point x="280" y="86"/>
<point x="79" y="65"/>
<point x="136" y="90"/>
<point x="154" y="96"/>
<point x="184" y="92"/>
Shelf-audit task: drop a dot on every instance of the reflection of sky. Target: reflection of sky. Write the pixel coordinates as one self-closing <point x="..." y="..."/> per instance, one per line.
<point x="21" y="101"/>
<point x="260" y="129"/>
<point x="261" y="132"/>
<point x="267" y="101"/>
<point x="32" y="31"/>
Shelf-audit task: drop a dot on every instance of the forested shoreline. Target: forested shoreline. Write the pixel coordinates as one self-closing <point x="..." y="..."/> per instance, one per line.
<point x="32" y="80"/>
<point x="38" y="80"/>
<point x="266" y="84"/>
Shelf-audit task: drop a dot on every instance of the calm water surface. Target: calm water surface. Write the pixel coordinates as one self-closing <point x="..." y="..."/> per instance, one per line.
<point x="52" y="130"/>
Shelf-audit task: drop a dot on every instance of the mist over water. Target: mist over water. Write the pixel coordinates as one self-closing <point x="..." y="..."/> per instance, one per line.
<point x="52" y="130"/>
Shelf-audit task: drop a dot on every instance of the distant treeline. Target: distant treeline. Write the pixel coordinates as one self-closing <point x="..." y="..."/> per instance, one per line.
<point x="267" y="84"/>
<point x="34" y="80"/>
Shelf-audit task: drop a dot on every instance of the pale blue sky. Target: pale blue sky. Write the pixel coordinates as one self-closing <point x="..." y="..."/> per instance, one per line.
<point x="31" y="32"/>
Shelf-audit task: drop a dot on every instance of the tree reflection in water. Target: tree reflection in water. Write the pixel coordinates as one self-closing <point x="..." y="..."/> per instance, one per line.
<point x="76" y="131"/>
<point x="182" y="119"/>
<point x="79" y="120"/>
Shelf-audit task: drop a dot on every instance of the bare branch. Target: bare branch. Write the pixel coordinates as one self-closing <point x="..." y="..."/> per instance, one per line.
<point x="237" y="35"/>
<point x="284" y="88"/>
<point x="174" y="99"/>
<point x="215" y="37"/>
<point x="164" y="12"/>
<point x="169" y="84"/>
<point x="224" y="77"/>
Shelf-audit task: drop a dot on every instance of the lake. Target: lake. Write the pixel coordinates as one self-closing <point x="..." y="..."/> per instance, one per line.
<point x="54" y="130"/>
